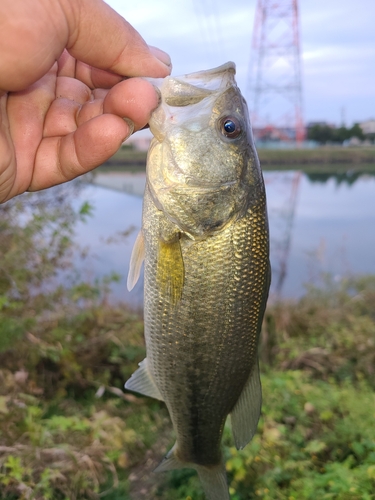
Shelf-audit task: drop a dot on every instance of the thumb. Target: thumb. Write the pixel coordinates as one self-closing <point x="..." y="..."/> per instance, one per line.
<point x="102" y="38"/>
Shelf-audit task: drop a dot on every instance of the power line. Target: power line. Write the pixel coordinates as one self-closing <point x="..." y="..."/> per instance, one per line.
<point x="209" y="20"/>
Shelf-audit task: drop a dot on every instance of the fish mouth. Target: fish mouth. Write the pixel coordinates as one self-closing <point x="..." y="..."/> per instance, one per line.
<point x="229" y="67"/>
<point x="191" y="88"/>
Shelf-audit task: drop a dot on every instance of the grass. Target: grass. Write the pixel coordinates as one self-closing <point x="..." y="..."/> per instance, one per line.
<point x="321" y="157"/>
<point x="69" y="431"/>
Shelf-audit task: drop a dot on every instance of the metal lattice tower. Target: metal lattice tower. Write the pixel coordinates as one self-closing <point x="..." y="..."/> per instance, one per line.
<point x="275" y="71"/>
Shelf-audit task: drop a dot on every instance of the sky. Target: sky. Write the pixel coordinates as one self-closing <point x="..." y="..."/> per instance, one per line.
<point x="337" y="47"/>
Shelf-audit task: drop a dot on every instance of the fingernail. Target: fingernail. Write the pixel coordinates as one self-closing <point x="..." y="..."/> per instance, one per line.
<point x="161" y="55"/>
<point x="157" y="90"/>
<point x="131" y="127"/>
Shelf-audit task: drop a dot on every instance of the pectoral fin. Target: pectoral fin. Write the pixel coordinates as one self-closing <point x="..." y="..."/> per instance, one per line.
<point x="170" y="269"/>
<point x="246" y="412"/>
<point x="141" y="381"/>
<point x="136" y="260"/>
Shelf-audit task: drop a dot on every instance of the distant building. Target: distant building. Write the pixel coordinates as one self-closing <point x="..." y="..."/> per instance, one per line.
<point x="273" y="133"/>
<point x="368" y="126"/>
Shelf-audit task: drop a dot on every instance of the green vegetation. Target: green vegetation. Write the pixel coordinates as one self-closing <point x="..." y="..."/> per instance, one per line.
<point x="325" y="159"/>
<point x="69" y="431"/>
<point x="325" y="133"/>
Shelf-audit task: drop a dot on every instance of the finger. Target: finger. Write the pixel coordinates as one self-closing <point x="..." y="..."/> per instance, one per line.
<point x="102" y="38"/>
<point x="66" y="65"/>
<point x="61" y="118"/>
<point x="73" y="89"/>
<point x="89" y="111"/>
<point x="161" y="55"/>
<point x="92" y="77"/>
<point x="134" y="98"/>
<point x="6" y="160"/>
<point x="61" y="159"/>
<point x="26" y="111"/>
<point x="92" y="31"/>
<point x="33" y="35"/>
<point x="65" y="116"/>
<point x="99" y="93"/>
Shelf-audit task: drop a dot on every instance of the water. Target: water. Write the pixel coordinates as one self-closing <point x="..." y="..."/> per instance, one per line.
<point x="318" y="224"/>
<point x="331" y="228"/>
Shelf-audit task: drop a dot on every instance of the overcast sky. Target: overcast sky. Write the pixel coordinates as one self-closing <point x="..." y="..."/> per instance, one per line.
<point x="337" y="45"/>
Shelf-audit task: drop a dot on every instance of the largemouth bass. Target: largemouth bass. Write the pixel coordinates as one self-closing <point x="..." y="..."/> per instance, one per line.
<point x="204" y="241"/>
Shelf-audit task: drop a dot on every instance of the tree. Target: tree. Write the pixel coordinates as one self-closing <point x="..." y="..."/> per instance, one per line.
<point x="320" y="133"/>
<point x="356" y="131"/>
<point x="326" y="133"/>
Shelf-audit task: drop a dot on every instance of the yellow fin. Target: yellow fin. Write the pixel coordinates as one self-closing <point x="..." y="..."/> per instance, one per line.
<point x="170" y="269"/>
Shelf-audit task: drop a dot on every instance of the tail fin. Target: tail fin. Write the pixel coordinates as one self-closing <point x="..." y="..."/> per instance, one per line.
<point x="213" y="479"/>
<point x="214" y="482"/>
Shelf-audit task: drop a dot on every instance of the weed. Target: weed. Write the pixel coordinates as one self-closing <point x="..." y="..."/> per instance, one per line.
<point x="69" y="431"/>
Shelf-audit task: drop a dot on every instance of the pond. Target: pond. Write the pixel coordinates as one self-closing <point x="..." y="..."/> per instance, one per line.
<point x="319" y="224"/>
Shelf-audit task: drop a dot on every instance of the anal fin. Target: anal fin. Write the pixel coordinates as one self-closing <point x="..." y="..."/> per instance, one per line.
<point x="246" y="412"/>
<point x="169" y="462"/>
<point x="141" y="381"/>
<point x="136" y="260"/>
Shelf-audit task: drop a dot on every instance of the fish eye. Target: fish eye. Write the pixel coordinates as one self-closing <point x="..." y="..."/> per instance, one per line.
<point x="230" y="127"/>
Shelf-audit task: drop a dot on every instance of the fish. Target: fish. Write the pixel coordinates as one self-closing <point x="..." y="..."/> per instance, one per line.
<point x="204" y="242"/>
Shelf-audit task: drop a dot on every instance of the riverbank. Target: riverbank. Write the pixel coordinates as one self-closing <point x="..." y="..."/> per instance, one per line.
<point x="309" y="160"/>
<point x="65" y="354"/>
<point x="62" y="402"/>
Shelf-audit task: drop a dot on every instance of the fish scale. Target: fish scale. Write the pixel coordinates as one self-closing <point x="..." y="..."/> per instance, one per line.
<point x="204" y="241"/>
<point x="214" y="314"/>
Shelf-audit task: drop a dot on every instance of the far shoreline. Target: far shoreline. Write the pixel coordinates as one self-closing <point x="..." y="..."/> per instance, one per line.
<point x="321" y="159"/>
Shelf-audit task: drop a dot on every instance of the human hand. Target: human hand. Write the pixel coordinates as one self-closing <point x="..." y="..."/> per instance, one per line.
<point x="64" y="106"/>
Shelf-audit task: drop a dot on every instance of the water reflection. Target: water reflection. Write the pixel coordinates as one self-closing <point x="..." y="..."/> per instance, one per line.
<point x="331" y="227"/>
<point x="348" y="177"/>
<point x="318" y="224"/>
<point x="114" y="213"/>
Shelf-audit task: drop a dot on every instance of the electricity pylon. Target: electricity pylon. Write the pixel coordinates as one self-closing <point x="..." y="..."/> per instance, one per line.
<point x="275" y="71"/>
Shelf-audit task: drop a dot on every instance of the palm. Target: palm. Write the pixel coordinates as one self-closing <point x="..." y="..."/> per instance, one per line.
<point x="60" y="127"/>
<point x="61" y="119"/>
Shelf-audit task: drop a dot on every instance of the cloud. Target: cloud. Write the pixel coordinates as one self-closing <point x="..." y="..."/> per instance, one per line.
<point x="337" y="44"/>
